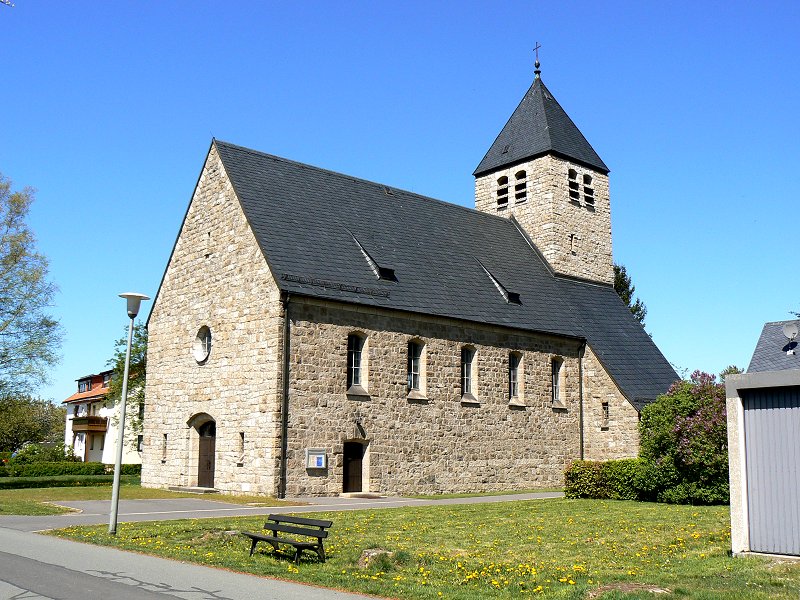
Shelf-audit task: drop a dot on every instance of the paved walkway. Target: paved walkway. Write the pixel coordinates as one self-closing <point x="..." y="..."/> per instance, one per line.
<point x="36" y="567"/>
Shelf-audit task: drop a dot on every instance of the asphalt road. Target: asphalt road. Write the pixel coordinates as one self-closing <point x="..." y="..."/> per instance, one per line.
<point x="36" y="566"/>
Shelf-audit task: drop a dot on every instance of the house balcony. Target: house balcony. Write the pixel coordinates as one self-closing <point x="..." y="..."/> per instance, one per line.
<point x="89" y="424"/>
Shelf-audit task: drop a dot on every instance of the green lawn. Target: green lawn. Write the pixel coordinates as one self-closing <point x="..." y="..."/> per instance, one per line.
<point x="542" y="548"/>
<point x="44" y="501"/>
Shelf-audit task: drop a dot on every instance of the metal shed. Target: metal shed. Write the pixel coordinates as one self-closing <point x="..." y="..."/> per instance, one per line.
<point x="764" y="459"/>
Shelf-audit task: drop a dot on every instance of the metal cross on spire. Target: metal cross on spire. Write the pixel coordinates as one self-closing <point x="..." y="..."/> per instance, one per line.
<point x="537" y="70"/>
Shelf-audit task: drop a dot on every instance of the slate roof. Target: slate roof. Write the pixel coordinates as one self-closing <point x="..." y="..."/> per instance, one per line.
<point x="539" y="126"/>
<point x="305" y="220"/>
<point x="770" y="353"/>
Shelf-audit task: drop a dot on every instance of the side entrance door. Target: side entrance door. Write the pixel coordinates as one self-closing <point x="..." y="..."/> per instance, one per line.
<point x="205" y="455"/>
<point x="353" y="465"/>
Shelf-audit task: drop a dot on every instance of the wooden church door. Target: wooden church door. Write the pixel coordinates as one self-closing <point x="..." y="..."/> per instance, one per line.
<point x="353" y="465"/>
<point x="205" y="455"/>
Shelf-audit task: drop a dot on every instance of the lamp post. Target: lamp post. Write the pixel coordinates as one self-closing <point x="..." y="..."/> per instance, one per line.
<point x="134" y="300"/>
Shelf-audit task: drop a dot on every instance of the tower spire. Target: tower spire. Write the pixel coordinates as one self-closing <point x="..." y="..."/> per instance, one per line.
<point x="537" y="71"/>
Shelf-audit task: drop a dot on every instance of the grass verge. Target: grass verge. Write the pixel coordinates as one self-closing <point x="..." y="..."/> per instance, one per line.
<point x="482" y="494"/>
<point x="44" y="501"/>
<point x="547" y="548"/>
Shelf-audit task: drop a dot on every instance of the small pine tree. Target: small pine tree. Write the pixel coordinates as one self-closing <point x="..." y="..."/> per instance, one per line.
<point x="625" y="289"/>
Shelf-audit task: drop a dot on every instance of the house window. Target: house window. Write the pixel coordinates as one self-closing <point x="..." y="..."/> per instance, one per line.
<point x="91" y="441"/>
<point x="588" y="191"/>
<point x="355" y="346"/>
<point x="201" y="348"/>
<point x="502" y="192"/>
<point x="556" y="377"/>
<point x="604" y="415"/>
<point x="102" y="442"/>
<point x="139" y="443"/>
<point x="521" y="186"/>
<point x="467" y="373"/>
<point x="106" y="379"/>
<point x="574" y="186"/>
<point x="414" y="366"/>
<point x="514" y="360"/>
<point x="84" y="386"/>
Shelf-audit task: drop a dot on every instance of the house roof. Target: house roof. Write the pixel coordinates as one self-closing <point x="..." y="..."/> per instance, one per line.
<point x="539" y="126"/>
<point x="93" y="394"/>
<point x="772" y="347"/>
<point x="326" y="234"/>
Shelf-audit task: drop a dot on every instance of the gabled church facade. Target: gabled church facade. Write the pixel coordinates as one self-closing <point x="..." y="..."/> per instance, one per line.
<point x="319" y="334"/>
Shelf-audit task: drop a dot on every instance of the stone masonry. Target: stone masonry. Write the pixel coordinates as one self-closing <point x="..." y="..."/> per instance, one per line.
<point x="217" y="277"/>
<point x="573" y="235"/>
<point x="437" y="444"/>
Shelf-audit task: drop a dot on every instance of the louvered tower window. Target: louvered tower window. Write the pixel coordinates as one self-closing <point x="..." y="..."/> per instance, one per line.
<point x="574" y="186"/>
<point x="588" y="191"/>
<point x="521" y="186"/>
<point x="502" y="192"/>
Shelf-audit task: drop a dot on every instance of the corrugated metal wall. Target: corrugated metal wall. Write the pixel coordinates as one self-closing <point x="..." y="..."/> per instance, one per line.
<point x="772" y="454"/>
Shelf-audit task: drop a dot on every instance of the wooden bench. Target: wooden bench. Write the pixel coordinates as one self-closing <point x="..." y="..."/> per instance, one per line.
<point x="296" y="526"/>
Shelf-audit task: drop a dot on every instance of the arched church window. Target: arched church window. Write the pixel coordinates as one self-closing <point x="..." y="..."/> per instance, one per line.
<point x="521" y="186"/>
<point x="502" y="192"/>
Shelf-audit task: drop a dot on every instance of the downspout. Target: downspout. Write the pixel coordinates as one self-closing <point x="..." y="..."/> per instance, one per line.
<point x="285" y="396"/>
<point x="581" y="352"/>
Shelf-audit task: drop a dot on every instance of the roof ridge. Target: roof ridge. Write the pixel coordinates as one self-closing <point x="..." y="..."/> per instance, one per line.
<point x="360" y="180"/>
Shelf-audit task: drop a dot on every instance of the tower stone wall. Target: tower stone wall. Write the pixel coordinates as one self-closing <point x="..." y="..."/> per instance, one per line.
<point x="573" y="234"/>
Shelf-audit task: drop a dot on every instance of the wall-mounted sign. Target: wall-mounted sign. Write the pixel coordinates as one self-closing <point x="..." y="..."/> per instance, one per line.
<point x="316" y="458"/>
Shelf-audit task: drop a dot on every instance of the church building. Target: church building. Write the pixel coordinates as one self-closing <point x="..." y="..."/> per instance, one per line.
<point x="319" y="334"/>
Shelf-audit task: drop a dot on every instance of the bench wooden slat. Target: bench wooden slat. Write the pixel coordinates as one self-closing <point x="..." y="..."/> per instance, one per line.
<point x="299" y="521"/>
<point x="315" y="533"/>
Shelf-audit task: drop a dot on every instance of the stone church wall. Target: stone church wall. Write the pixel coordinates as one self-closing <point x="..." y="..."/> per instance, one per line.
<point x="618" y="437"/>
<point x="438" y="444"/>
<point x="573" y="235"/>
<point x="217" y="277"/>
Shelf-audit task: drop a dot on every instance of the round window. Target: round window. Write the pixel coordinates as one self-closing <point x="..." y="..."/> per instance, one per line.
<point x="202" y="344"/>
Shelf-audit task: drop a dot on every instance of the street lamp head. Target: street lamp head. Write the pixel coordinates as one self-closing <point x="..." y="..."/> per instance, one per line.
<point x="134" y="300"/>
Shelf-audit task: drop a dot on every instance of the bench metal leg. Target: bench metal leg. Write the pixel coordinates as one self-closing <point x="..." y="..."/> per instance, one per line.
<point x="253" y="546"/>
<point x="320" y="552"/>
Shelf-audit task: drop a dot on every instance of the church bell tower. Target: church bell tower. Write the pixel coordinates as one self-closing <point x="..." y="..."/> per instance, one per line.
<point x="543" y="173"/>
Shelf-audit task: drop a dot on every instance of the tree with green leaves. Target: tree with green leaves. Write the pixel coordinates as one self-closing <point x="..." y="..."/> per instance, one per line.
<point x="24" y="419"/>
<point x="625" y="289"/>
<point x="29" y="336"/>
<point x="136" y="377"/>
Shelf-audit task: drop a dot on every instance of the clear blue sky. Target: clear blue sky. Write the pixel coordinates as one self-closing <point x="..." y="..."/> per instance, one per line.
<point x="108" y="109"/>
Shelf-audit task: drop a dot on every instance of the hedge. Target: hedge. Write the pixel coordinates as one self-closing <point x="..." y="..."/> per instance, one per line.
<point x="51" y="469"/>
<point x="11" y="483"/>
<point x="623" y="479"/>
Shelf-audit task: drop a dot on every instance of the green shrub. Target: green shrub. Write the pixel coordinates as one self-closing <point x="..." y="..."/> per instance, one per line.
<point x="129" y="469"/>
<point x="685" y="442"/>
<point x="10" y="483"/>
<point x="613" y="479"/>
<point x="33" y="453"/>
<point x="51" y="469"/>
<point x="583" y="480"/>
<point x="620" y="478"/>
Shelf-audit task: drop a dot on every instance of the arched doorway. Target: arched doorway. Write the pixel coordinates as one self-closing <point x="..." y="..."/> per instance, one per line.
<point x="207" y="433"/>
<point x="353" y="476"/>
